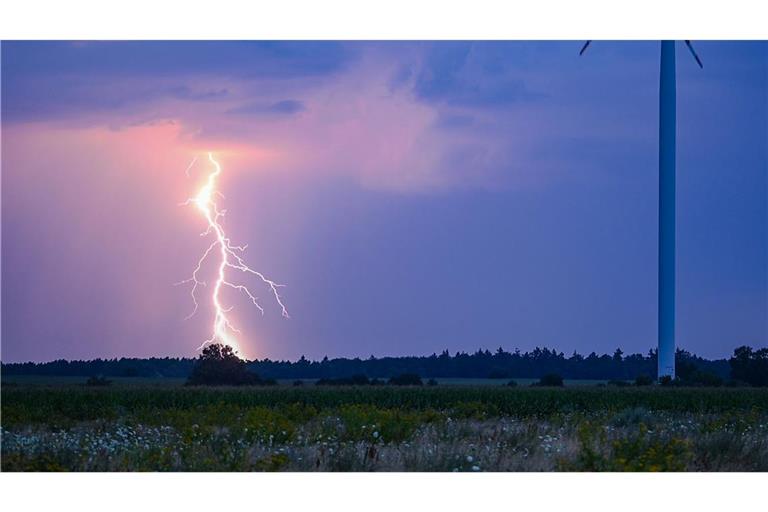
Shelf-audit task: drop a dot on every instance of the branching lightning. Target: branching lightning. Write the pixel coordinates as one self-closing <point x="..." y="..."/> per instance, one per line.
<point x="230" y="257"/>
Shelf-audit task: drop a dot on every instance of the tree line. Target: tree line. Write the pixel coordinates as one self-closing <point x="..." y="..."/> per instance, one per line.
<point x="480" y="364"/>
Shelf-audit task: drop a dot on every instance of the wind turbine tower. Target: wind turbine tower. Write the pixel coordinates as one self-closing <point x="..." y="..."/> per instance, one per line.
<point x="666" y="273"/>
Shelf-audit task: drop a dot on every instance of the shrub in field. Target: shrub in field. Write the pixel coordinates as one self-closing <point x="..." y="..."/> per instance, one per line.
<point x="268" y="424"/>
<point x="643" y="380"/>
<point x="373" y="424"/>
<point x="219" y="366"/>
<point x="550" y="380"/>
<point x="406" y="379"/>
<point x="512" y="383"/>
<point x="431" y="382"/>
<point x="640" y="453"/>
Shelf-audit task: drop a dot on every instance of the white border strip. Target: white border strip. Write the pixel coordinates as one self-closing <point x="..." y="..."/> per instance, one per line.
<point x="384" y="19"/>
<point x="382" y="492"/>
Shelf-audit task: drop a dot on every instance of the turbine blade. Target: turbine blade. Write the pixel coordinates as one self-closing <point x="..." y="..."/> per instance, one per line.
<point x="693" y="52"/>
<point x="584" y="48"/>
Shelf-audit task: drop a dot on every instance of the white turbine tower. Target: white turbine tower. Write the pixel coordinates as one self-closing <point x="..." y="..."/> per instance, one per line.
<point x="667" y="131"/>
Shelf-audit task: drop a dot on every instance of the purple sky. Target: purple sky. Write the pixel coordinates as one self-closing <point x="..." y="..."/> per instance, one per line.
<point x="412" y="196"/>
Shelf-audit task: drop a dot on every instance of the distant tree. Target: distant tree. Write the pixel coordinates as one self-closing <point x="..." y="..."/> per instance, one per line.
<point x="750" y="366"/>
<point x="431" y="382"/>
<point x="511" y="384"/>
<point x="688" y="373"/>
<point x="219" y="366"/>
<point x="551" y="379"/>
<point x="684" y="368"/>
<point x="406" y="379"/>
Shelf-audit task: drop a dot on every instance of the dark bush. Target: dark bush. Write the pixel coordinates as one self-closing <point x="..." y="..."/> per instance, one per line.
<point x="406" y="379"/>
<point x="750" y="366"/>
<point x="708" y="379"/>
<point x="219" y="366"/>
<point x="618" y="383"/>
<point x="431" y="382"/>
<point x="666" y="380"/>
<point x="360" y="380"/>
<point x="130" y="372"/>
<point x="643" y="380"/>
<point x="550" y="380"/>
<point x="511" y="384"/>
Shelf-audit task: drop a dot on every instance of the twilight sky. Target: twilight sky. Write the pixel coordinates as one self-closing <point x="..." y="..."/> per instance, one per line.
<point x="412" y="196"/>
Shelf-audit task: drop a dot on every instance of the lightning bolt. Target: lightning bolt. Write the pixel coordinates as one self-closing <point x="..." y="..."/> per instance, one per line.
<point x="230" y="258"/>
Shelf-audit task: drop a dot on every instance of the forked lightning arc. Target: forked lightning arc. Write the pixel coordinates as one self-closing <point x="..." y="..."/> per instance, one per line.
<point x="230" y="258"/>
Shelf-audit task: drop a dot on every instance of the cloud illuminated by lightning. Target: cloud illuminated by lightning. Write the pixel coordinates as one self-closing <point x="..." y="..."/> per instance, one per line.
<point x="230" y="258"/>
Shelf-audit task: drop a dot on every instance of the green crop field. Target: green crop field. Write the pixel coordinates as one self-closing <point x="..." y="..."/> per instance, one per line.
<point x="151" y="427"/>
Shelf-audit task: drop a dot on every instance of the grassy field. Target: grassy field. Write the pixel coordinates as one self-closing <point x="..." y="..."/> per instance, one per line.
<point x="443" y="428"/>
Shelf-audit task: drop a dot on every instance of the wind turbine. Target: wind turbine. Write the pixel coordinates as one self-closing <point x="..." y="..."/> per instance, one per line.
<point x="667" y="131"/>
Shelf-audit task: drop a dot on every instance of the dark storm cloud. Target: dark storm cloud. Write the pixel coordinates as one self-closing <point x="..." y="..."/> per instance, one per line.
<point x="471" y="75"/>
<point x="129" y="58"/>
<point x="280" y="108"/>
<point x="49" y="80"/>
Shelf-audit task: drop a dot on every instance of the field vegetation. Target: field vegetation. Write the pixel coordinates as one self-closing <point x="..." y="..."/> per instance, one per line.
<point x="383" y="428"/>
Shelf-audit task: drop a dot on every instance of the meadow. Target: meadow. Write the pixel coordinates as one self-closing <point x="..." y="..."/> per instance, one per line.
<point x="154" y="427"/>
